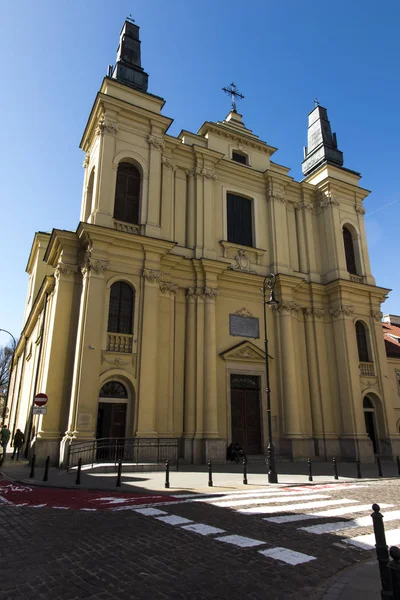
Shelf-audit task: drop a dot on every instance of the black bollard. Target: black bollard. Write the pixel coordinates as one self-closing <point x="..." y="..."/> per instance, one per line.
<point x="358" y="467"/>
<point x="310" y="477"/>
<point x="167" y="474"/>
<point x="118" y="484"/>
<point x="378" y="462"/>
<point x="210" y="481"/>
<point x="46" y="469"/>
<point x="398" y="465"/>
<point x="244" y="471"/>
<point x="394" y="569"/>
<point x="32" y="473"/>
<point x="78" y="473"/>
<point x="382" y="553"/>
<point x="335" y="471"/>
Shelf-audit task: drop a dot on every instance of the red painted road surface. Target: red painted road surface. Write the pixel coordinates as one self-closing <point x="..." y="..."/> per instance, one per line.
<point x="17" y="494"/>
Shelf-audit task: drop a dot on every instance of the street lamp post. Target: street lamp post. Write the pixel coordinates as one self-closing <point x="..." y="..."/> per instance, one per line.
<point x="3" y="416"/>
<point x="269" y="284"/>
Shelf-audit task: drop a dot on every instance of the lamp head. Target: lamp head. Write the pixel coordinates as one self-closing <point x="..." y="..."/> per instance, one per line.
<point x="272" y="300"/>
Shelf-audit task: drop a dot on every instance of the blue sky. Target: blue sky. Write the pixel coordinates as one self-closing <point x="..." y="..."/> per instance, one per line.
<point x="280" y="54"/>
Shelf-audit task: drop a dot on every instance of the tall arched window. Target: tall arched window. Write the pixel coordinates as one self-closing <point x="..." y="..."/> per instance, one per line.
<point x="349" y="251"/>
<point x="127" y="193"/>
<point x="120" y="313"/>
<point x="362" y="343"/>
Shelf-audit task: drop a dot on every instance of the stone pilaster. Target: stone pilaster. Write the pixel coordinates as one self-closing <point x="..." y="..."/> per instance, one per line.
<point x="189" y="427"/>
<point x="210" y="366"/>
<point x="156" y="146"/>
<point x="149" y="353"/>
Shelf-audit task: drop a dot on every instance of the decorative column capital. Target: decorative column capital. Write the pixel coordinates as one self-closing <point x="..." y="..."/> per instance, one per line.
<point x="210" y="293"/>
<point x="167" y="163"/>
<point x="329" y="200"/>
<point x="286" y="307"/>
<point x="341" y="311"/>
<point x="195" y="172"/>
<point x="167" y="287"/>
<point x="105" y="125"/>
<point x="209" y="174"/>
<point x="278" y="195"/>
<point x="377" y="315"/>
<point x="65" y="270"/>
<point x="156" y="142"/>
<point x="316" y="313"/>
<point x="93" y="266"/>
<point x="306" y="206"/>
<point x="152" y="275"/>
<point x="358" y="207"/>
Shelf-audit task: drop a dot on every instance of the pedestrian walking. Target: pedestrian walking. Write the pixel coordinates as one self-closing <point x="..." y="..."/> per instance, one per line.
<point x="18" y="443"/>
<point x="4" y="438"/>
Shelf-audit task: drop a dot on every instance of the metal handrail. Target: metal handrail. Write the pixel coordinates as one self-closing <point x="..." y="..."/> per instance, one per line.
<point x="135" y="450"/>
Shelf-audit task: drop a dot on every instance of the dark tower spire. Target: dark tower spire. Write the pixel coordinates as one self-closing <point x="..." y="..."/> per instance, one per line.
<point x="128" y="68"/>
<point x="322" y="146"/>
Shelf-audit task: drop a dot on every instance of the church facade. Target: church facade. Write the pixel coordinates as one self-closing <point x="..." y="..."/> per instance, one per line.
<point x="147" y="321"/>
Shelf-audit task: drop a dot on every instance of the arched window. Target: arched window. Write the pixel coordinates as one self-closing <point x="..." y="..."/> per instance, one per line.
<point x="127" y="193"/>
<point x="349" y="251"/>
<point x="362" y="343"/>
<point x="89" y="197"/>
<point x="120" y="313"/>
<point x="113" y="389"/>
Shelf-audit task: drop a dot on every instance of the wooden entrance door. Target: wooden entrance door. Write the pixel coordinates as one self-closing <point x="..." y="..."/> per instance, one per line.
<point x="245" y="411"/>
<point x="111" y="420"/>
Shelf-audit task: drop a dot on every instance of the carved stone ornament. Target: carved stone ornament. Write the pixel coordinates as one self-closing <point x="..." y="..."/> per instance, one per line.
<point x="167" y="163"/>
<point x="155" y="141"/>
<point x="329" y="200"/>
<point x="359" y="208"/>
<point x="341" y="310"/>
<point x="317" y="313"/>
<point x="286" y="307"/>
<point x="114" y="361"/>
<point x="86" y="160"/>
<point x="307" y="206"/>
<point x="243" y="312"/>
<point x="198" y="172"/>
<point x="105" y="126"/>
<point x="277" y="195"/>
<point x="65" y="270"/>
<point x="209" y="174"/>
<point x="152" y="276"/>
<point x="93" y="265"/>
<point x="242" y="262"/>
<point x="167" y="287"/>
<point x="248" y="353"/>
<point x="210" y="293"/>
<point x="377" y="315"/>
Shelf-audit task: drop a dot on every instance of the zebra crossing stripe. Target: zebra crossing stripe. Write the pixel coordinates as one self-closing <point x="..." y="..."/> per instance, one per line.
<point x="394" y="515"/>
<point x="174" y="520"/>
<point x="333" y="512"/>
<point x="288" y="556"/>
<point x="259" y="510"/>
<point x="367" y="542"/>
<point x="239" y="540"/>
<point x="252" y="494"/>
<point x="268" y="500"/>
<point x="203" y="529"/>
<point x="150" y="512"/>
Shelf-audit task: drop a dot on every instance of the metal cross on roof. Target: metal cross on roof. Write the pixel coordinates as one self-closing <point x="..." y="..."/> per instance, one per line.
<point x="316" y="102"/>
<point x="130" y="19"/>
<point x="233" y="91"/>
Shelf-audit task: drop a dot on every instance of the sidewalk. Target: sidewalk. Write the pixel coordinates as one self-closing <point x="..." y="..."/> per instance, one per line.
<point x="358" y="581"/>
<point x="194" y="477"/>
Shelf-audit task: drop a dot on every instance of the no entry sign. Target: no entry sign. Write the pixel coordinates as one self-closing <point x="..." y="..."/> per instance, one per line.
<point x="40" y="399"/>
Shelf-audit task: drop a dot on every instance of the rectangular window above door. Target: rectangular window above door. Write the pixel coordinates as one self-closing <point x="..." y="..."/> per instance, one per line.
<point x="240" y="220"/>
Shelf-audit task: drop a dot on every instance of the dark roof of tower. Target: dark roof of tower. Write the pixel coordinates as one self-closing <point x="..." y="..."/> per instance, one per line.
<point x="321" y="142"/>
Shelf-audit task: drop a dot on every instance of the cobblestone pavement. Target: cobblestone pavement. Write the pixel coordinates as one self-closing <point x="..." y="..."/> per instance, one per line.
<point x="195" y="547"/>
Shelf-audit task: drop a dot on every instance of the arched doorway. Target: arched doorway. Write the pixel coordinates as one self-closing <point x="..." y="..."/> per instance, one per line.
<point x="370" y="423"/>
<point x="112" y="411"/>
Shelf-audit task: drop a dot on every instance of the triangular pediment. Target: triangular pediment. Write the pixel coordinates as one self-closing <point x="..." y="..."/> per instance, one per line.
<point x="244" y="352"/>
